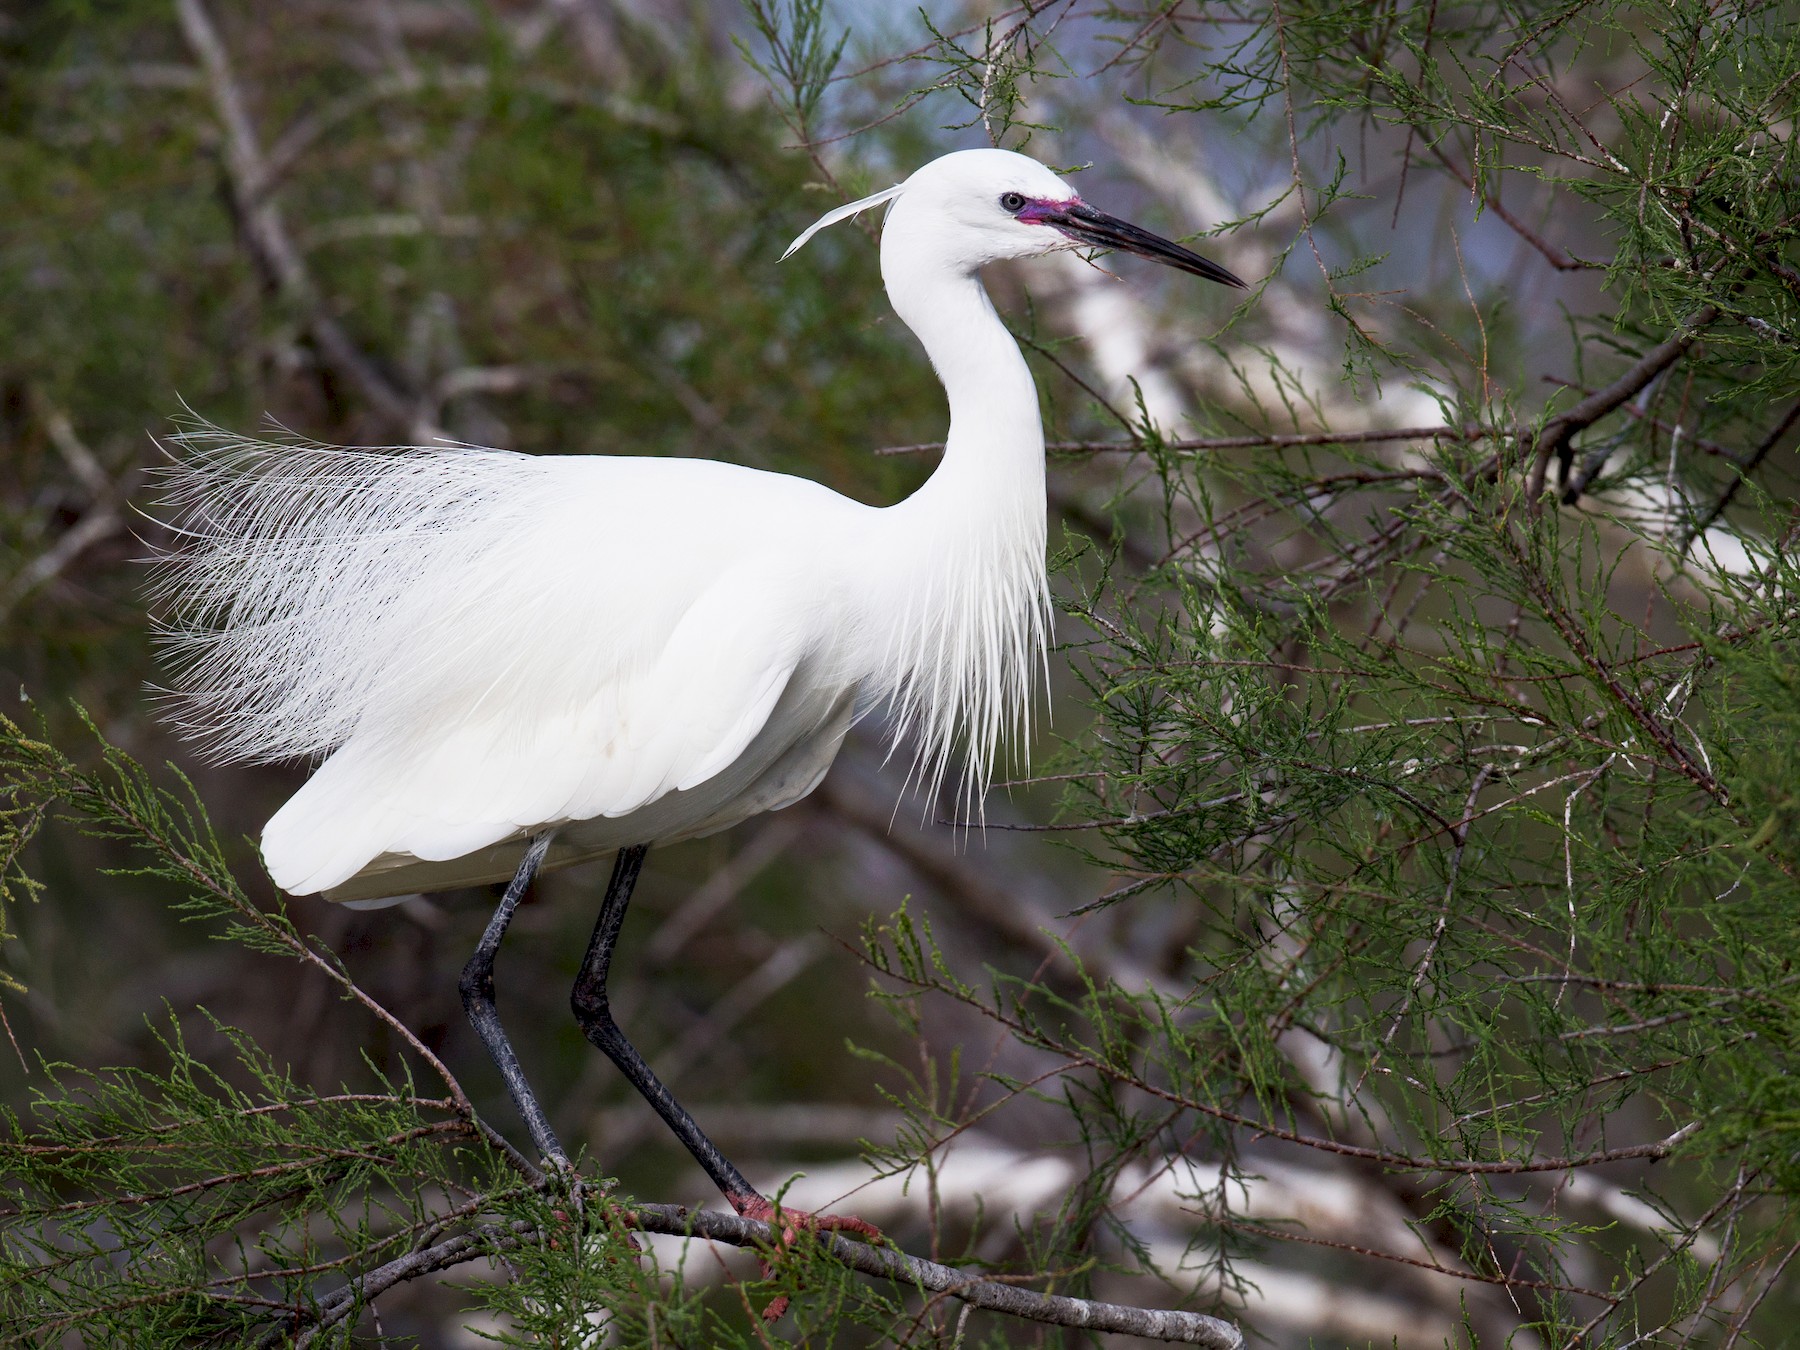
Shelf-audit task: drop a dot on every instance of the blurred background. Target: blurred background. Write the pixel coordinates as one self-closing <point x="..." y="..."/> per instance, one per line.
<point x="554" y="226"/>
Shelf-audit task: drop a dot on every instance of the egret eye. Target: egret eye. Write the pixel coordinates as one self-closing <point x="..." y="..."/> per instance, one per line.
<point x="1012" y="202"/>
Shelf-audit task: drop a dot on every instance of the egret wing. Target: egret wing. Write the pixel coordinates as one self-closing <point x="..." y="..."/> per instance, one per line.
<point x="672" y="725"/>
<point x="480" y="643"/>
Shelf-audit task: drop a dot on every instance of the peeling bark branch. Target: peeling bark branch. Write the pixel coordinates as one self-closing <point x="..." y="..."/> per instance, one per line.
<point x="930" y="1277"/>
<point x="927" y="1277"/>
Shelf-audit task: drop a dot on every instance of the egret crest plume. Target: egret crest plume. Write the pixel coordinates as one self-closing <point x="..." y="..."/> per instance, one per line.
<point x="842" y="213"/>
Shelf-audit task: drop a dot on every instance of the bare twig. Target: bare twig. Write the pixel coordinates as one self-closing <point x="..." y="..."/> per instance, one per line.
<point x="1266" y="442"/>
<point x="1002" y="912"/>
<point x="1558" y="258"/>
<point x="1557" y="436"/>
<point x="1748" y="467"/>
<point x="1576" y="640"/>
<point x="102" y="519"/>
<point x="266" y="234"/>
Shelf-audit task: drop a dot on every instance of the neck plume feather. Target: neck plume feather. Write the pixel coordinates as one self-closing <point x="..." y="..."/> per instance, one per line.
<point x="968" y="640"/>
<point x="972" y="619"/>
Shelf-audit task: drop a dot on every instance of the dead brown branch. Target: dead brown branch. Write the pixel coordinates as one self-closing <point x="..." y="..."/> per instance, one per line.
<point x="1557" y="436"/>
<point x="265" y="232"/>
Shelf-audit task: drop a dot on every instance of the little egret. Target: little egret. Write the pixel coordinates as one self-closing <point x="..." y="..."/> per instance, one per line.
<point x="511" y="663"/>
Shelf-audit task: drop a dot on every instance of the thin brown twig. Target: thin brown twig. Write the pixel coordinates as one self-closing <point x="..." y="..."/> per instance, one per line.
<point x="1270" y="441"/>
<point x="1508" y="1280"/>
<point x="1558" y="258"/>
<point x="1556" y="438"/>
<point x="266" y="235"/>
<point x="1572" y="635"/>
<point x="1388" y="1159"/>
<point x="317" y="1158"/>
<point x="1748" y="467"/>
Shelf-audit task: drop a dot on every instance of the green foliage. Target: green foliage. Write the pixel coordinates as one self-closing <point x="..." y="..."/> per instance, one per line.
<point x="181" y="1202"/>
<point x="1490" y="806"/>
<point x="801" y="54"/>
<point x="174" y="1207"/>
<point x="1516" y="863"/>
<point x="1440" y="781"/>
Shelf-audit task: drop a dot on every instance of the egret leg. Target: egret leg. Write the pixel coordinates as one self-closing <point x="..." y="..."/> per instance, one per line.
<point x="594" y="1014"/>
<point x="477" y="988"/>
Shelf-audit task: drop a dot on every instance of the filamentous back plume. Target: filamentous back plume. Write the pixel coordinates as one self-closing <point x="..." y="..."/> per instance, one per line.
<point x="508" y="663"/>
<point x="315" y="589"/>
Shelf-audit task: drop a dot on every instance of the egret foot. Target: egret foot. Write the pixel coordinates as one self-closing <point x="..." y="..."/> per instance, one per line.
<point x="562" y="1181"/>
<point x="788" y="1223"/>
<point x="764" y="1210"/>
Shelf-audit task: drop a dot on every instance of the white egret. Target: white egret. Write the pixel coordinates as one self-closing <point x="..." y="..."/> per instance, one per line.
<point x="512" y="663"/>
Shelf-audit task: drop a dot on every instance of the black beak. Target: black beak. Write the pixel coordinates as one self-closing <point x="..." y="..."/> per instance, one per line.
<point x="1085" y="225"/>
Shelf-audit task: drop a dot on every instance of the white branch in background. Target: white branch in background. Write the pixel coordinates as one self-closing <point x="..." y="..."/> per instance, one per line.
<point x="1363" y="1121"/>
<point x="387" y="225"/>
<point x="1305" y="339"/>
<point x="1618" y="1203"/>
<point x="1121" y="340"/>
<point x="1368" y="1213"/>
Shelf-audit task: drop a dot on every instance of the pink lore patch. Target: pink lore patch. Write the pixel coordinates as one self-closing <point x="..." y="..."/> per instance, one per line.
<point x="1038" y="209"/>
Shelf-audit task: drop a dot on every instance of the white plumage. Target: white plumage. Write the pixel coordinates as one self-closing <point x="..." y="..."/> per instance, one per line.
<point x="497" y="655"/>
<point x="485" y="644"/>
<point x="482" y="646"/>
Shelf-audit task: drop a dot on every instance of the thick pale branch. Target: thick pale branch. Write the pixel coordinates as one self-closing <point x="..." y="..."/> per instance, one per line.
<point x="930" y="1277"/>
<point x="927" y="1277"/>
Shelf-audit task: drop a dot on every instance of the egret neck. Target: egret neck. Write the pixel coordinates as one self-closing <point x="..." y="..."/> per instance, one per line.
<point x="967" y="549"/>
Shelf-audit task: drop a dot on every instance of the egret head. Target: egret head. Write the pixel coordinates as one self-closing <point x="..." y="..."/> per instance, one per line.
<point x="975" y="207"/>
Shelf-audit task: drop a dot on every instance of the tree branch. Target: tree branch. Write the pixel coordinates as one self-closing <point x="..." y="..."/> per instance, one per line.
<point x="1266" y="442"/>
<point x="887" y="1263"/>
<point x="1748" y="467"/>
<point x="1558" y="434"/>
<point x="930" y="1277"/>
<point x="1558" y="258"/>
<point x="266" y="235"/>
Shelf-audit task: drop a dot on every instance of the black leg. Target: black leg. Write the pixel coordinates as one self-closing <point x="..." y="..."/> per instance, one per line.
<point x="477" y="988"/>
<point x="595" y="1016"/>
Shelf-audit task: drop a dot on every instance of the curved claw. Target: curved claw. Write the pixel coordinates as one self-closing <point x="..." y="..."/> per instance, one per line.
<point x="563" y="1183"/>
<point x="790" y="1222"/>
